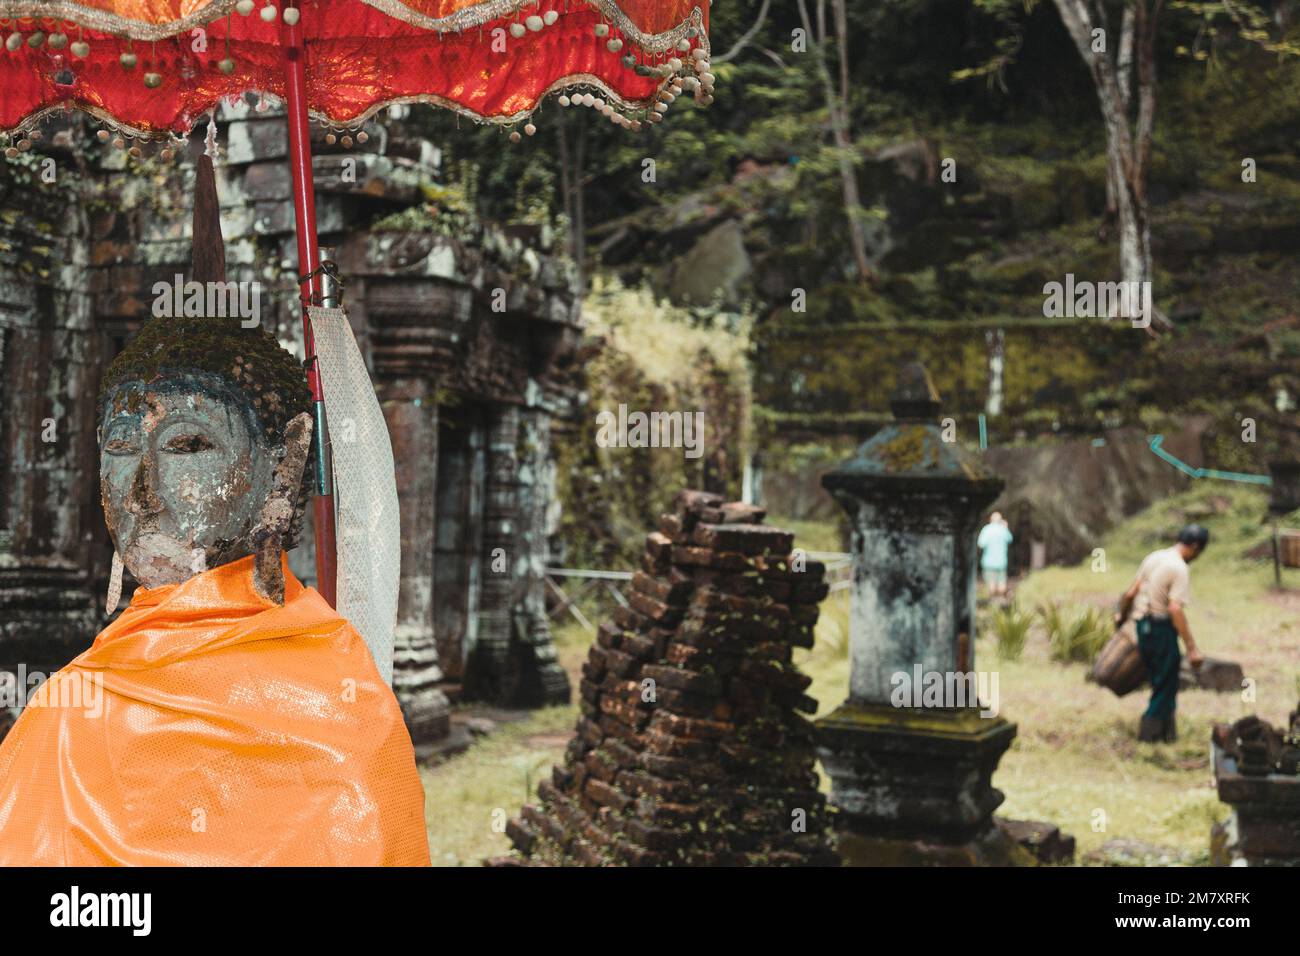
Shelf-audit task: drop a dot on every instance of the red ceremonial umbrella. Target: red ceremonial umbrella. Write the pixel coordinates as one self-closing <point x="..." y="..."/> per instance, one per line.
<point x="149" y="69"/>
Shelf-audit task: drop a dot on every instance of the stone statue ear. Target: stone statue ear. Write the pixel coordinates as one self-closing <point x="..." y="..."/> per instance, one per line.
<point x="277" y="514"/>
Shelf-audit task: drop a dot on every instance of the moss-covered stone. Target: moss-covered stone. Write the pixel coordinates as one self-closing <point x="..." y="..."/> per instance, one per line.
<point x="250" y="361"/>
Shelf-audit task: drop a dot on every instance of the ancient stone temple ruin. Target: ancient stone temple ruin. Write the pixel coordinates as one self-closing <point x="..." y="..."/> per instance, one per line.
<point x="465" y="328"/>
<point x="691" y="748"/>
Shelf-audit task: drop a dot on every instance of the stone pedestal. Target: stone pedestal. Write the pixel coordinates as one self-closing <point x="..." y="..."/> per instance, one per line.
<point x="1264" y="829"/>
<point x="913" y="785"/>
<point x="911" y="769"/>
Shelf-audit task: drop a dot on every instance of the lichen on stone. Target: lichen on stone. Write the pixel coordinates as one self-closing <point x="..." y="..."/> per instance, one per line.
<point x="906" y="451"/>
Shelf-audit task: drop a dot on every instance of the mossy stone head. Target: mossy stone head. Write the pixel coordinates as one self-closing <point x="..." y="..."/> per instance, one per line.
<point x="193" y="417"/>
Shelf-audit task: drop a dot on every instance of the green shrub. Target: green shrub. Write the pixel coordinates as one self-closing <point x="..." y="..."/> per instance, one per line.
<point x="1011" y="627"/>
<point x="1075" y="637"/>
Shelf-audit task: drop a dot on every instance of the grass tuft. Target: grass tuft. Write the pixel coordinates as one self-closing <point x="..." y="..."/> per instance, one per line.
<point x="1011" y="627"/>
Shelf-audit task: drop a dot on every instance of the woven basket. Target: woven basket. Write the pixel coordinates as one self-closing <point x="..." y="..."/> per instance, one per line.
<point x="1119" y="666"/>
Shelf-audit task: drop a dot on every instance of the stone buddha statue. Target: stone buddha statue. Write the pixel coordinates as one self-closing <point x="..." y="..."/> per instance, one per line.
<point x="228" y="716"/>
<point x="204" y="434"/>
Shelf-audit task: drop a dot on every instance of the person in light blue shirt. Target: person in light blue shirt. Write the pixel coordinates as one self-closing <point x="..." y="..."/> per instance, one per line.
<point x="993" y="541"/>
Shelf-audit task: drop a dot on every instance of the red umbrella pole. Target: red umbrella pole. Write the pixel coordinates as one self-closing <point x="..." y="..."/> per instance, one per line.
<point x="304" y="208"/>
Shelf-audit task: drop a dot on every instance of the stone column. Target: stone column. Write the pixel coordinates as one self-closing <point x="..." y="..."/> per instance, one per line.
<point x="512" y="661"/>
<point x="912" y="750"/>
<point x="413" y="426"/>
<point x="543" y="680"/>
<point x="488" y="662"/>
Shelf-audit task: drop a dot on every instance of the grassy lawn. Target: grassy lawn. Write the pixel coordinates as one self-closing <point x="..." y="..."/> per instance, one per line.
<point x="469" y="797"/>
<point x="1075" y="761"/>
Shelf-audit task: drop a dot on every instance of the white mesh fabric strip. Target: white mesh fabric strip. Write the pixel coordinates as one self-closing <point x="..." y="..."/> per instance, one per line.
<point x="365" y="488"/>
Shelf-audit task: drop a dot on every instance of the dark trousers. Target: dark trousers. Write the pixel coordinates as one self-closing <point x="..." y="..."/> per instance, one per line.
<point x="1158" y="645"/>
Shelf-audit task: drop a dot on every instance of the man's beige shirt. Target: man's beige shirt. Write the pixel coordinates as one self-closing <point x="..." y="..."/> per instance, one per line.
<point x="1165" y="578"/>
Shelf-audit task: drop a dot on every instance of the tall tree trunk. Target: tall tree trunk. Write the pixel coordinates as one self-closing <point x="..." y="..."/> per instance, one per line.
<point x="842" y="45"/>
<point x="1134" y="237"/>
<point x="1125" y="76"/>
<point x="1145" y="19"/>
<point x="1128" y="142"/>
<point x="837" y="109"/>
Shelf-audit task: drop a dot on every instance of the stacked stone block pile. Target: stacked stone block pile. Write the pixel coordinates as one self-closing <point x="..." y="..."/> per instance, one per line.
<point x="692" y="747"/>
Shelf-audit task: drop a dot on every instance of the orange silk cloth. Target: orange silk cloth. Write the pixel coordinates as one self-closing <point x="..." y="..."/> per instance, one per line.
<point x="359" y="56"/>
<point x="226" y="731"/>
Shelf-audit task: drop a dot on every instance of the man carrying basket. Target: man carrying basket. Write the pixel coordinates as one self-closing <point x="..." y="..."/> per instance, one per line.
<point x="1157" y="599"/>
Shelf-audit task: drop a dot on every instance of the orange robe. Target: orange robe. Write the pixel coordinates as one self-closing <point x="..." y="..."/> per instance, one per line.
<point x="210" y="726"/>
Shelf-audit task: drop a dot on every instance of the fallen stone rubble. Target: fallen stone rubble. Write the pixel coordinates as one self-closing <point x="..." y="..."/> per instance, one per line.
<point x="1259" y="748"/>
<point x="693" y="747"/>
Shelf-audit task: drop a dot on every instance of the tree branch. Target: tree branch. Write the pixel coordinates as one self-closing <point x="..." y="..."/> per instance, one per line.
<point x="746" y="36"/>
<point x="1146" y="116"/>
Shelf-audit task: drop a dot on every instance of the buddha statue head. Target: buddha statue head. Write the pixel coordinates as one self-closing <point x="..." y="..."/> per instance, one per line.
<point x="204" y="434"/>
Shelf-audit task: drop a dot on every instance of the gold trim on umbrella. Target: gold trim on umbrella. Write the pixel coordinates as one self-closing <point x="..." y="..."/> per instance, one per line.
<point x="433" y="99"/>
<point x="31" y="120"/>
<point x="490" y="10"/>
<point x="566" y="82"/>
<point x="101" y="21"/>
